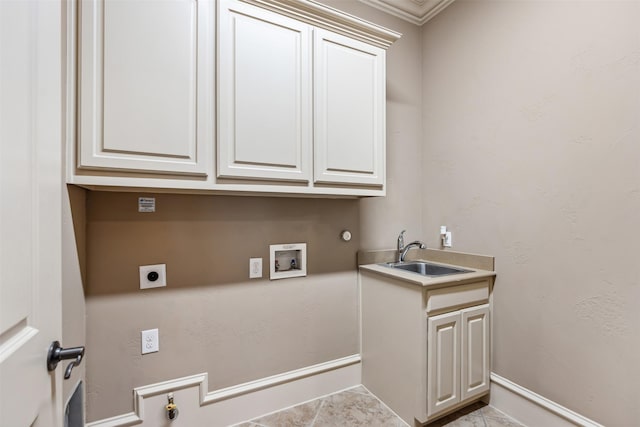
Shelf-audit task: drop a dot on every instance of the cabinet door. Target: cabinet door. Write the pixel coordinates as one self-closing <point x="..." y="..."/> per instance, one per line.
<point x="349" y="81"/>
<point x="443" y="362"/>
<point x="264" y="95"/>
<point x="146" y="85"/>
<point x="475" y="368"/>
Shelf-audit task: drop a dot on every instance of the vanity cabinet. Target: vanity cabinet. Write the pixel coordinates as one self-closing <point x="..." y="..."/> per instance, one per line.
<point x="425" y="346"/>
<point x="145" y="87"/>
<point x="457" y="358"/>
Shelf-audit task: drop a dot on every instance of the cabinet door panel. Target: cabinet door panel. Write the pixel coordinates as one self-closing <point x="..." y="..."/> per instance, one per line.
<point x="443" y="362"/>
<point x="265" y="95"/>
<point x="475" y="366"/>
<point x="349" y="111"/>
<point x="140" y="77"/>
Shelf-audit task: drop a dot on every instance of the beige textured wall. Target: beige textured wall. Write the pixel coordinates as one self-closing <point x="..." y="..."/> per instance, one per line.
<point x="383" y="218"/>
<point x="531" y="147"/>
<point x="73" y="270"/>
<point x="211" y="317"/>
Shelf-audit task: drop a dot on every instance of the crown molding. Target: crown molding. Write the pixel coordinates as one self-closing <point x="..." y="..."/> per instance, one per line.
<point x="329" y="18"/>
<point x="415" y="11"/>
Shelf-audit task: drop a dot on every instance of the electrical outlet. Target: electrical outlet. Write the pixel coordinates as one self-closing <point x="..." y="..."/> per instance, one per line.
<point x="153" y="276"/>
<point x="255" y="268"/>
<point x="150" y="341"/>
<point x="446" y="242"/>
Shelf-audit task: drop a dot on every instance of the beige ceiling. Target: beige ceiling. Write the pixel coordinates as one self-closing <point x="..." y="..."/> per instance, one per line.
<point x="415" y="11"/>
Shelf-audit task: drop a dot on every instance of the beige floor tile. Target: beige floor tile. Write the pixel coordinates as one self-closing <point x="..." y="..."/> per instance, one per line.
<point x="460" y="418"/>
<point x="298" y="416"/>
<point x="495" y="418"/>
<point x="359" y="389"/>
<point x="467" y="421"/>
<point x="354" y="409"/>
<point x="502" y="422"/>
<point x="358" y="407"/>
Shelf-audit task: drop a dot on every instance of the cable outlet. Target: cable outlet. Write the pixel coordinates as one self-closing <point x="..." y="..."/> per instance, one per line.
<point x="153" y="276"/>
<point x="255" y="268"/>
<point x="150" y="341"/>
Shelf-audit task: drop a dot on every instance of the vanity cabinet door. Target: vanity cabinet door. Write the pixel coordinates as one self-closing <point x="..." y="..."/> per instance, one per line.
<point x="146" y="86"/>
<point x="458" y="357"/>
<point x="475" y="368"/>
<point x="349" y="111"/>
<point x="443" y="362"/>
<point x="264" y="95"/>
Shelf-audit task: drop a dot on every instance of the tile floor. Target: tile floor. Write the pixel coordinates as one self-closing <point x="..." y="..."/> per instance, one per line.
<point x="358" y="407"/>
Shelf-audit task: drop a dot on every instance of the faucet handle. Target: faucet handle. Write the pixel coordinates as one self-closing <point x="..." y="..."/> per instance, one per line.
<point x="401" y="240"/>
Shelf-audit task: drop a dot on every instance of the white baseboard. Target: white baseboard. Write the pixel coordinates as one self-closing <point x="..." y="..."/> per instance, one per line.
<point x="530" y="408"/>
<point x="199" y="407"/>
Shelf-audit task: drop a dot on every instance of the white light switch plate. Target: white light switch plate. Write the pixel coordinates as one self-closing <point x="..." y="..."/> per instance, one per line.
<point x="150" y="341"/>
<point x="255" y="268"/>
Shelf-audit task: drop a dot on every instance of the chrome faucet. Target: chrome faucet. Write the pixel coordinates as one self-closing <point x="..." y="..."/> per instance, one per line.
<point x="402" y="249"/>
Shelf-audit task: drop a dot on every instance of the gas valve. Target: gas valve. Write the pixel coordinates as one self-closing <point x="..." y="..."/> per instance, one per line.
<point x="171" y="408"/>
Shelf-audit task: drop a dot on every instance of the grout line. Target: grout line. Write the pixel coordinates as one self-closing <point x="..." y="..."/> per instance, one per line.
<point x="385" y="406"/>
<point x="277" y="411"/>
<point x="361" y="393"/>
<point x="484" y="420"/>
<point x="502" y="419"/>
<point x="317" y="413"/>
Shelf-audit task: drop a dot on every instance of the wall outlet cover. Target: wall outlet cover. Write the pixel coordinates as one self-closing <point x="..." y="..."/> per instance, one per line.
<point x="153" y="276"/>
<point x="255" y="268"/>
<point x="150" y="341"/>
<point x="447" y="240"/>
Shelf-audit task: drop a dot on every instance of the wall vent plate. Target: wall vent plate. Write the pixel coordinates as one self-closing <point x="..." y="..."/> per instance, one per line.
<point x="287" y="260"/>
<point x="153" y="276"/>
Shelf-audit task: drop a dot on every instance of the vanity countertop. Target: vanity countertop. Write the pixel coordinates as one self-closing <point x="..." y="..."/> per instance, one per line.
<point x="482" y="266"/>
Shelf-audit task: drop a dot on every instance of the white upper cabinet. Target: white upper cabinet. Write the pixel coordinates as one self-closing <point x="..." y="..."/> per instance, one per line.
<point x="146" y="85"/>
<point x="244" y="96"/>
<point x="264" y="94"/>
<point x="349" y="110"/>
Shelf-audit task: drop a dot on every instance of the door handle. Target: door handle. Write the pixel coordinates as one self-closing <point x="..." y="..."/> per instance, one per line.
<point x="57" y="353"/>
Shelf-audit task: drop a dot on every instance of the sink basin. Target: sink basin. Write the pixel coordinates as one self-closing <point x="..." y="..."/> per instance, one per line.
<point x="426" y="268"/>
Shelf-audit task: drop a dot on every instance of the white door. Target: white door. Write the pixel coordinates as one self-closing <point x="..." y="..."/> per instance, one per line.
<point x="443" y="362"/>
<point x="30" y="211"/>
